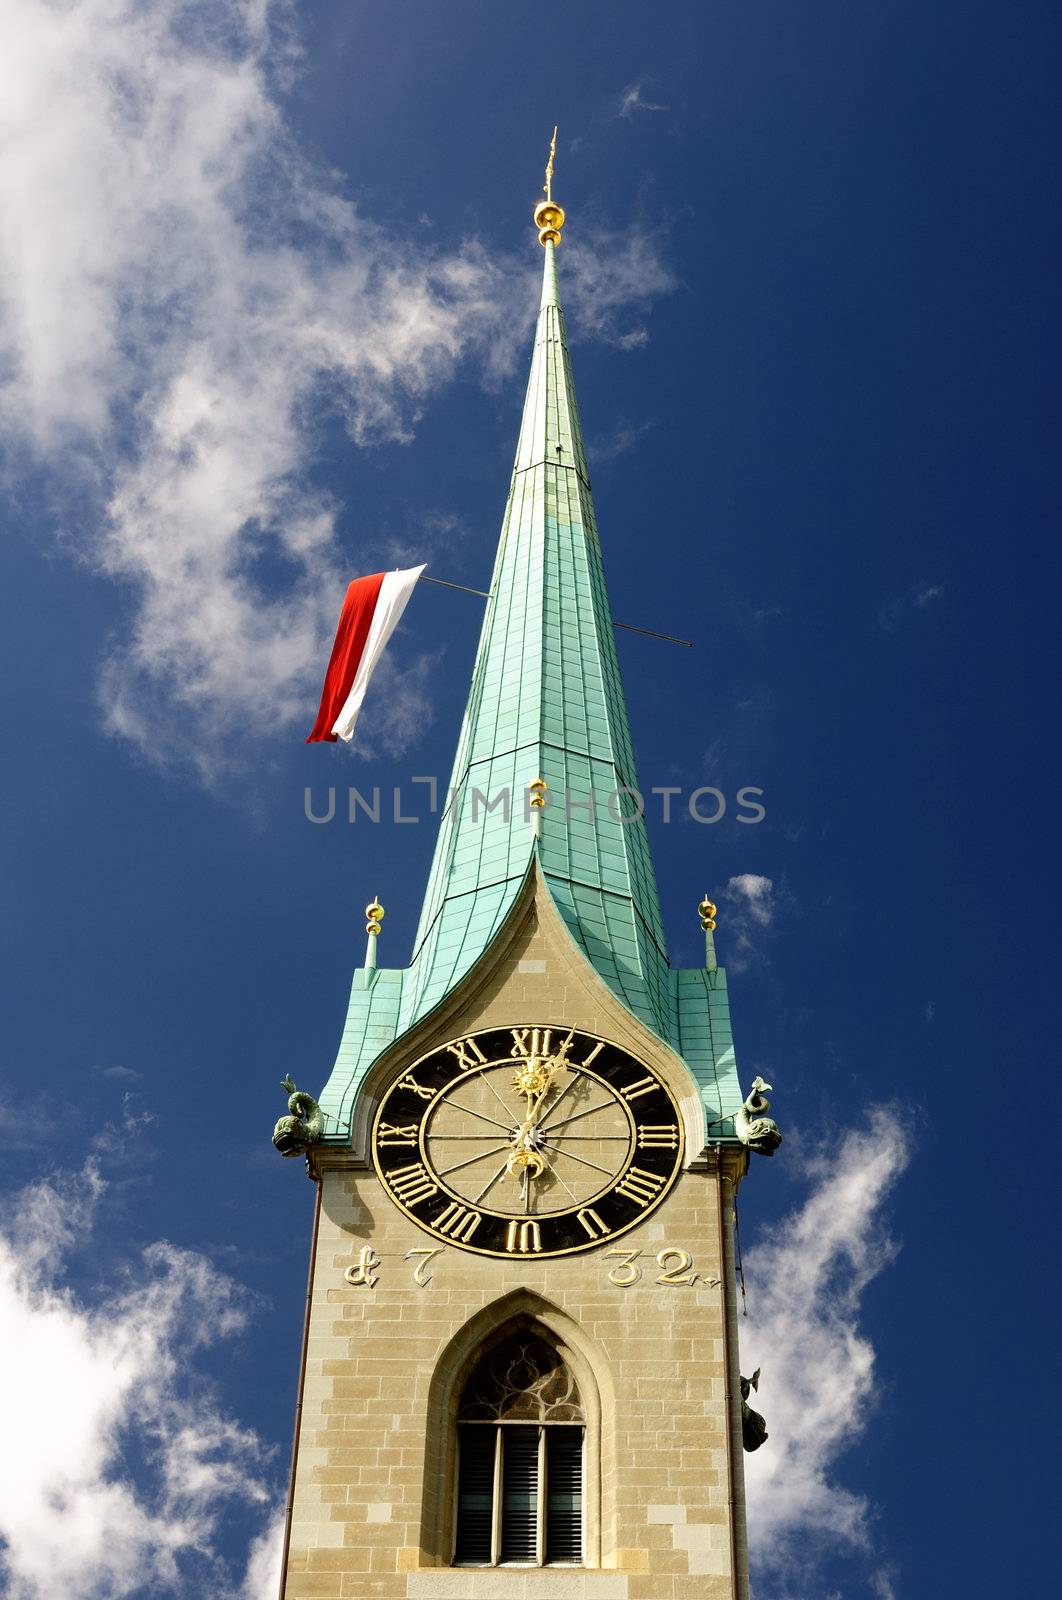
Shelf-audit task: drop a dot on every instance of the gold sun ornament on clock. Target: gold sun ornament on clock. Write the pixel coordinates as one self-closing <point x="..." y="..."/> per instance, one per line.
<point x="532" y="1140"/>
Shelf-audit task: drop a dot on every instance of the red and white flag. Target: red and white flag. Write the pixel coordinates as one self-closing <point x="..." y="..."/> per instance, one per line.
<point x="370" y="614"/>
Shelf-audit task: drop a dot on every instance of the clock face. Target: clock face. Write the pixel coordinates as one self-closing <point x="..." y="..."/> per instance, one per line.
<point x="528" y="1141"/>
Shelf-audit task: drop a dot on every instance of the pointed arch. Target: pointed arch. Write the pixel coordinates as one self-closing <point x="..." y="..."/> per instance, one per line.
<point x="518" y="1310"/>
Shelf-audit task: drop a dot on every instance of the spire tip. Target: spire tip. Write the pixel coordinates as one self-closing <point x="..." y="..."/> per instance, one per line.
<point x="549" y="216"/>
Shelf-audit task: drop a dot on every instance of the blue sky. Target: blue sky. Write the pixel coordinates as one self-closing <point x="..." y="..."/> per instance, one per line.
<point x="265" y="317"/>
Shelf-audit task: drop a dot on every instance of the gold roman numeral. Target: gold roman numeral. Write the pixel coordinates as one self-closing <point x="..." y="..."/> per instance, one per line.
<point x="468" y="1054"/>
<point x="591" y="1222"/>
<point x="634" y="1091"/>
<point x="531" y="1041"/>
<point x="458" y="1222"/>
<point x="389" y="1133"/>
<point x="651" y="1137"/>
<point x="523" y="1237"/>
<point x="419" y="1089"/>
<point x="412" y="1184"/>
<point x="595" y="1052"/>
<point x="640" y="1186"/>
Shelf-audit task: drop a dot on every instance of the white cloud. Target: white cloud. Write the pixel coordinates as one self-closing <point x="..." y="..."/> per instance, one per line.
<point x="752" y="904"/>
<point x="262" y="1578"/>
<point x="624" y="437"/>
<point x="806" y="1283"/>
<point x="632" y="101"/>
<point x="754" y="895"/>
<point x="898" y="607"/>
<point x="184" y="296"/>
<point x="606" y="280"/>
<point x="119" y="1466"/>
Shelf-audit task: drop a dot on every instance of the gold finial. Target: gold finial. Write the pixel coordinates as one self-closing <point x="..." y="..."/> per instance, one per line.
<point x="706" y="910"/>
<point x="374" y="913"/>
<point x="549" y="216"/>
<point x="537" y="790"/>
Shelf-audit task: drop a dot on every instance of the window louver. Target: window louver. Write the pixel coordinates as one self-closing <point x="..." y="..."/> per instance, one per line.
<point x="475" y="1496"/>
<point x="520" y="1459"/>
<point x="519" y="1522"/>
<point x="564" y="1495"/>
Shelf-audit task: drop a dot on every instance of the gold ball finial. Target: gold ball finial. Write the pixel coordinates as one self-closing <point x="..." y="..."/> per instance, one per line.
<point x="706" y="911"/>
<point x="538" y="788"/>
<point x="549" y="220"/>
<point x="375" y="915"/>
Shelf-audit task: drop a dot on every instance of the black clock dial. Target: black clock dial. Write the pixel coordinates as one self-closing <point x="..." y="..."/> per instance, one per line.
<point x="534" y="1141"/>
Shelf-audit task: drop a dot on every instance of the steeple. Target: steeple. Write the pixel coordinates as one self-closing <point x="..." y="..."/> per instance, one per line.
<point x="546" y="703"/>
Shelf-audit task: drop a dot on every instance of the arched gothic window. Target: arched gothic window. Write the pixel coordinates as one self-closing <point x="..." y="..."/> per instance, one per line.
<point x="520" y="1430"/>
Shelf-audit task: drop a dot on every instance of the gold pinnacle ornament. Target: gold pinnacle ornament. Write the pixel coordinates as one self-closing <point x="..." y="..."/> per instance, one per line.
<point x="549" y="216"/>
<point x="706" y="911"/>
<point x="538" y="788"/>
<point x="374" y="915"/>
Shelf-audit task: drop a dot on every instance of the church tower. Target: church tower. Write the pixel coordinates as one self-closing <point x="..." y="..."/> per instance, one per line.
<point x="520" y="1371"/>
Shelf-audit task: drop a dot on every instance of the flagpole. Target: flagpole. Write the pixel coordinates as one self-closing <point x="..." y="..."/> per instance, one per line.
<point x="649" y="633"/>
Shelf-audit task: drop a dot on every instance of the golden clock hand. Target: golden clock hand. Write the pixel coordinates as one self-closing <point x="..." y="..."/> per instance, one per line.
<point x="534" y="1080"/>
<point x="572" y="1081"/>
<point x="525" y="1159"/>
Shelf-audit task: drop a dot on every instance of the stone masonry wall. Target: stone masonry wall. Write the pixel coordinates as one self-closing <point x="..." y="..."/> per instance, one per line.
<point x="373" y="1503"/>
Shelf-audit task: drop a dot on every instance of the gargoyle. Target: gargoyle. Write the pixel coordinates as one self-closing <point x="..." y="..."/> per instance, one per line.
<point x="759" y="1132"/>
<point x="304" y="1125"/>
<point x="753" y="1427"/>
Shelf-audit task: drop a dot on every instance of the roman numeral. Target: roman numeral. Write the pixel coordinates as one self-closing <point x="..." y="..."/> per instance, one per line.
<point x="390" y="1134"/>
<point x="531" y="1041"/>
<point x="525" y="1237"/>
<point x="412" y="1184"/>
<point x="468" y="1053"/>
<point x="592" y="1223"/>
<point x="595" y="1052"/>
<point x="458" y="1222"/>
<point x="419" y="1089"/>
<point x="657" y="1138"/>
<point x="633" y="1091"/>
<point x="640" y="1186"/>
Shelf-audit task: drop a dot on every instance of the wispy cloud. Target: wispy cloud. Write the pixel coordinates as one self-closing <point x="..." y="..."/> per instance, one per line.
<point x="119" y="1073"/>
<point x="185" y="297"/>
<point x="262" y="1577"/>
<point x="752" y="903"/>
<point x="806" y="1285"/>
<point x="119" y="1467"/>
<point x="609" y="279"/>
<point x="919" y="597"/>
<point x="633" y="101"/>
<point x="622" y="438"/>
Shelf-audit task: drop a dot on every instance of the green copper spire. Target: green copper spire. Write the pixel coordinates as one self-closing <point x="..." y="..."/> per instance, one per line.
<point x="546" y="702"/>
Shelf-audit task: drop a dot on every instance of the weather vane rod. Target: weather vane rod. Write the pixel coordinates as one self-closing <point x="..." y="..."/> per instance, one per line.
<point x="549" y="216"/>
<point x="548" y="186"/>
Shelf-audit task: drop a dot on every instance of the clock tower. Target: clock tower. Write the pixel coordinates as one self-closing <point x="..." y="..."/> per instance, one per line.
<point x="520" y="1371"/>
